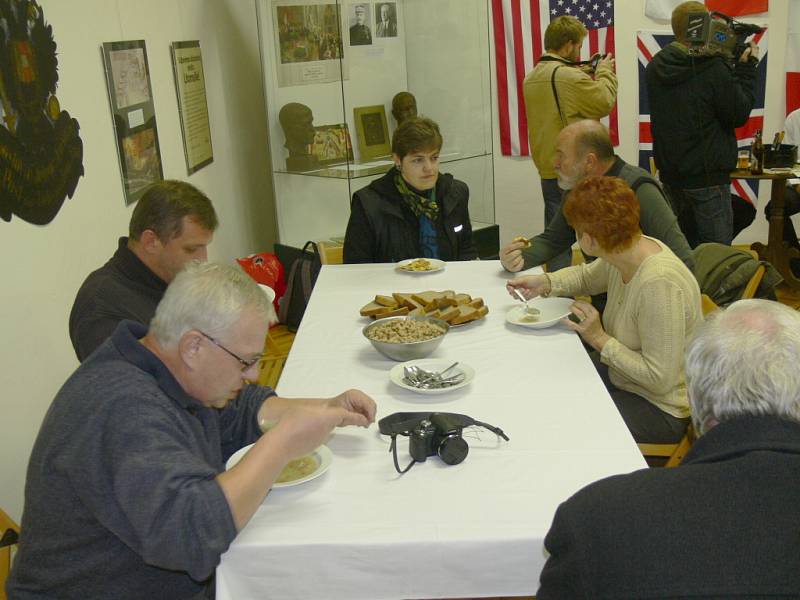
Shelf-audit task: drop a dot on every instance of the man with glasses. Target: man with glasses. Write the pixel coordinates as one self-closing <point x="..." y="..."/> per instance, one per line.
<point x="173" y="223"/>
<point x="126" y="495"/>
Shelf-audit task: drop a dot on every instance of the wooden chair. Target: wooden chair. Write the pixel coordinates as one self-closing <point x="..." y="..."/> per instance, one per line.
<point x="330" y="253"/>
<point x="9" y="535"/>
<point x="674" y="453"/>
<point x="276" y="350"/>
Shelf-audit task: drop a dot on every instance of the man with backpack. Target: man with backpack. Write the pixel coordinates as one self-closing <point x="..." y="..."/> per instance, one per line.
<point x="584" y="149"/>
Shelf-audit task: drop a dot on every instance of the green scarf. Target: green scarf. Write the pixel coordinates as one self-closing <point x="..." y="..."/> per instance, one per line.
<point x="419" y="205"/>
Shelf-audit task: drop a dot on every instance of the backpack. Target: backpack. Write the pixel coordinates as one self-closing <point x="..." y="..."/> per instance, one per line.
<point x="724" y="271"/>
<point x="302" y="276"/>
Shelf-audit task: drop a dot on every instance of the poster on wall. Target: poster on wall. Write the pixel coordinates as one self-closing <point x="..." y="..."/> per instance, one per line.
<point x="308" y="42"/>
<point x="41" y="153"/>
<point x="131" y="99"/>
<point x="190" y="85"/>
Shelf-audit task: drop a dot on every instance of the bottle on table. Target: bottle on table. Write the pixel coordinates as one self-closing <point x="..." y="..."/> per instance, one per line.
<point x="757" y="155"/>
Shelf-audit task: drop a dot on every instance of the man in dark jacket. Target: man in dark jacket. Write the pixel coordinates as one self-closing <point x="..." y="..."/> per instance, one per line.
<point x="172" y="223"/>
<point x="413" y="211"/>
<point x="724" y="523"/>
<point x="696" y="102"/>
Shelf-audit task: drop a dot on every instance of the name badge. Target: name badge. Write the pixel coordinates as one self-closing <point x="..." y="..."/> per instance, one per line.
<point x="458" y="228"/>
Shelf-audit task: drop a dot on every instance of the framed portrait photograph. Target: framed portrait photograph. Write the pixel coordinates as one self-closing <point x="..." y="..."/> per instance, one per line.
<point x="373" y="132"/>
<point x="131" y="98"/>
<point x="385" y="20"/>
<point x="332" y="144"/>
<point x="360" y="23"/>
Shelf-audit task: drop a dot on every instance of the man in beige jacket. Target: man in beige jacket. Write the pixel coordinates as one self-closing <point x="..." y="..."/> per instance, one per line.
<point x="559" y="92"/>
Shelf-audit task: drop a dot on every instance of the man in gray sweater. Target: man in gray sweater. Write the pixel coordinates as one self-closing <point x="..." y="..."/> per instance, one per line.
<point x="127" y="496"/>
<point x="584" y="150"/>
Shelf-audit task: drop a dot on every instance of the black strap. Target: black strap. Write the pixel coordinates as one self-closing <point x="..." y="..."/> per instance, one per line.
<point x="555" y="95"/>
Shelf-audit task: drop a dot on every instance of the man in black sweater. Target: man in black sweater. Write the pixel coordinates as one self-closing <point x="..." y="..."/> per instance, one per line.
<point x="172" y="224"/>
<point x="696" y="102"/>
<point x="724" y="523"/>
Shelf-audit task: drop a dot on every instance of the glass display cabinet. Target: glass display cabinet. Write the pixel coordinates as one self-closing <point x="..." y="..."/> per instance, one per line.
<point x="331" y="70"/>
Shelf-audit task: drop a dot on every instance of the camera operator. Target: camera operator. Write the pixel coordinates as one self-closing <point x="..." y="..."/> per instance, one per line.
<point x="696" y="102"/>
<point x="560" y="90"/>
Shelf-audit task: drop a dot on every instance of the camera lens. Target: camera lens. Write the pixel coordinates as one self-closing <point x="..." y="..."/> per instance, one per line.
<point x="453" y="449"/>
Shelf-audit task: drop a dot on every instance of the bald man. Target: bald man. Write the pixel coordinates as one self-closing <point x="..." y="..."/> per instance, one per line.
<point x="583" y="149"/>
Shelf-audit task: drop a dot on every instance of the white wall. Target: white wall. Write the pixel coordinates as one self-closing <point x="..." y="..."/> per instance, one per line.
<point x="44" y="266"/>
<point x="519" y="208"/>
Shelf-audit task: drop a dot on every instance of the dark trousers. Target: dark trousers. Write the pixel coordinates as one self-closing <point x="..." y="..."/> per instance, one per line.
<point x="552" y="204"/>
<point x="646" y="422"/>
<point x="704" y="214"/>
<point x="791" y="207"/>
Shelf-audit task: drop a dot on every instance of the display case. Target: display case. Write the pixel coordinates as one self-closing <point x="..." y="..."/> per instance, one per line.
<point x="331" y="69"/>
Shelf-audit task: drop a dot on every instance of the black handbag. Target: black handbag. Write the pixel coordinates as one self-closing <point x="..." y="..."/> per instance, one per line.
<point x="302" y="276"/>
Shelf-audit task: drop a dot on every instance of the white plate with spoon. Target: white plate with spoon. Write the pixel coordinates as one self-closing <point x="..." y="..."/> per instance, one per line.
<point x="547" y="312"/>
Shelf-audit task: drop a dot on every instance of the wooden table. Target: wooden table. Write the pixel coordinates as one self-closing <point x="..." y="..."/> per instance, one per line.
<point x="777" y="251"/>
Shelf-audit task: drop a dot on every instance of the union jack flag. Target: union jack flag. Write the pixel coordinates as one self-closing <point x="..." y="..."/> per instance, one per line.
<point x="519" y="27"/>
<point x="648" y="44"/>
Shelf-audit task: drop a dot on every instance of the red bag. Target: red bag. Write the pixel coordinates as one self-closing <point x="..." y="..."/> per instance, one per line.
<point x="267" y="269"/>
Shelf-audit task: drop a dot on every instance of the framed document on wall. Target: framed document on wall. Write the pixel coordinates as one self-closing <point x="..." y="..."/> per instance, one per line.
<point x="131" y="99"/>
<point x="190" y="85"/>
<point x="373" y="132"/>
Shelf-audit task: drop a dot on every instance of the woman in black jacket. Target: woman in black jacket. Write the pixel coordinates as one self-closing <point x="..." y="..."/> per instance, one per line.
<point x="413" y="211"/>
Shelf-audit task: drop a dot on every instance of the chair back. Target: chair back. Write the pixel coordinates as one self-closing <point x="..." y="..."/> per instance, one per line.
<point x="9" y="535"/>
<point x="331" y="253"/>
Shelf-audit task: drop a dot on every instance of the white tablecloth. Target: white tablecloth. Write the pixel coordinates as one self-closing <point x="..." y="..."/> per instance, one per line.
<point x="361" y="531"/>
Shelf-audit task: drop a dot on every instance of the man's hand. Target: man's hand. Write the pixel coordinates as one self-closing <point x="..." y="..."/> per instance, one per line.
<point x="529" y="286"/>
<point x="750" y="51"/>
<point x="607" y="62"/>
<point x="589" y="325"/>
<point x="511" y="257"/>
<point x="359" y="408"/>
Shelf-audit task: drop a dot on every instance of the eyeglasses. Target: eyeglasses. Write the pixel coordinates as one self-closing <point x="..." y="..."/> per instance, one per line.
<point x="246" y="364"/>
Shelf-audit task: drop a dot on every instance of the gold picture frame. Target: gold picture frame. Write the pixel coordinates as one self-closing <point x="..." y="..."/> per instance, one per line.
<point x="373" y="132"/>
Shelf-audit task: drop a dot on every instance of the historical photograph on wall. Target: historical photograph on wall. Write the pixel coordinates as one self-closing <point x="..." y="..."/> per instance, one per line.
<point x="131" y="99"/>
<point x="385" y="19"/>
<point x="190" y="85"/>
<point x="308" y="42"/>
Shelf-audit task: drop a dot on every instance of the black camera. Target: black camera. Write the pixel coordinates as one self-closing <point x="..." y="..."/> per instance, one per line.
<point x="715" y="34"/>
<point x="431" y="434"/>
<point x="440" y="434"/>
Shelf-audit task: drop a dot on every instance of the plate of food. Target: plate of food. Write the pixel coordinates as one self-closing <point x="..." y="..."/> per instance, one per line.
<point x="419" y="375"/>
<point x="296" y="471"/>
<point x="549" y="312"/>
<point x="420" y="265"/>
<point x="455" y="308"/>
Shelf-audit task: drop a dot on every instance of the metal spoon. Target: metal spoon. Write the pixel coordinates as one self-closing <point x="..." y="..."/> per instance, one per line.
<point x="528" y="309"/>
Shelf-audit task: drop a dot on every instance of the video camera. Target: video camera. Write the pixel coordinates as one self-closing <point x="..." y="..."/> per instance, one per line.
<point x="431" y="434"/>
<point x="715" y="34"/>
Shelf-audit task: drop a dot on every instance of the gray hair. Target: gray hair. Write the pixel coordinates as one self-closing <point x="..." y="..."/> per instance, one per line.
<point x="210" y="297"/>
<point x="592" y="136"/>
<point x="745" y="360"/>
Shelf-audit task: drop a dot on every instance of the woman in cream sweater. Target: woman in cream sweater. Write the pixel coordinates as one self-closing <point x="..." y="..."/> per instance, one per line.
<point x="653" y="307"/>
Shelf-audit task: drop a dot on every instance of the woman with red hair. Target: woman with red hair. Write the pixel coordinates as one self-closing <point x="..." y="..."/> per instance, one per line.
<point x="653" y="307"/>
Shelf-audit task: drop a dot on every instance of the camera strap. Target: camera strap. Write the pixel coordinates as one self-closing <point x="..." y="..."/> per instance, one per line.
<point x="402" y="423"/>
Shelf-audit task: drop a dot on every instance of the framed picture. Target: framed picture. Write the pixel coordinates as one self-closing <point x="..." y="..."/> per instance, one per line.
<point x="373" y="132"/>
<point x="386" y="20"/>
<point x="190" y="85"/>
<point x="332" y="144"/>
<point x="131" y="99"/>
<point x="308" y="42"/>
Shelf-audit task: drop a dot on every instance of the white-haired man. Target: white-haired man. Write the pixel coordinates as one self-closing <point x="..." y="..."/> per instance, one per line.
<point x="127" y="496"/>
<point x="725" y="523"/>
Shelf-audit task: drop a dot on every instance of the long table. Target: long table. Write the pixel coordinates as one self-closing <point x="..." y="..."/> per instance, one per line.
<point x="361" y="531"/>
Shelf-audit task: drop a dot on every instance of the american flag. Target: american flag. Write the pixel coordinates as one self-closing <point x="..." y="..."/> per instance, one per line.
<point x="648" y="44"/>
<point x="793" y="59"/>
<point x="519" y="27"/>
